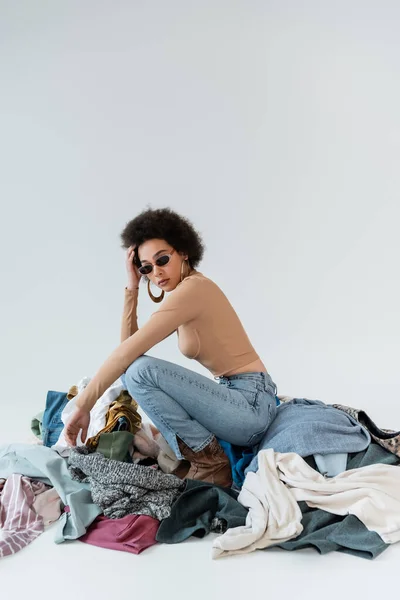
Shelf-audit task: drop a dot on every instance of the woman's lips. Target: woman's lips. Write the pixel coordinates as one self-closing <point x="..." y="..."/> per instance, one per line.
<point x="163" y="282"/>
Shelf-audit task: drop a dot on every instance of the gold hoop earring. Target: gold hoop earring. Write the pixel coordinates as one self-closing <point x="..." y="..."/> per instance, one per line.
<point x="188" y="268"/>
<point x="154" y="298"/>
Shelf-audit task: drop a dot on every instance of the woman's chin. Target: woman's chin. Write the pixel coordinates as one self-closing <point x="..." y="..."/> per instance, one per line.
<point x="168" y="287"/>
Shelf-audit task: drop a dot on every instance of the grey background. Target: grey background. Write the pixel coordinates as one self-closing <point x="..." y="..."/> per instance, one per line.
<point x="274" y="126"/>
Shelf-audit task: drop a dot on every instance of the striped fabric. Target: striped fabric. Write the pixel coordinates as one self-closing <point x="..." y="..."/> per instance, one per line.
<point x="19" y="523"/>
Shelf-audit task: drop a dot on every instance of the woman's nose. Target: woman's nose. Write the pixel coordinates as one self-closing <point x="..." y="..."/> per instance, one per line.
<point x="157" y="271"/>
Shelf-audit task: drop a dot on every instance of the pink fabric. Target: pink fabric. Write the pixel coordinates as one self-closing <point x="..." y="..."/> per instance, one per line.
<point x="144" y="446"/>
<point x="19" y="524"/>
<point x="48" y="506"/>
<point x="133" y="533"/>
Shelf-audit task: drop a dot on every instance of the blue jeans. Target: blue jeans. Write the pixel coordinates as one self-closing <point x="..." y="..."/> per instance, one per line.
<point x="51" y="423"/>
<point x="183" y="403"/>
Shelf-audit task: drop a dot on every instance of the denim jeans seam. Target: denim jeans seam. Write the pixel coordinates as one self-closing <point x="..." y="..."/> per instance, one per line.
<point x="252" y="406"/>
<point x="193" y="382"/>
<point x="204" y="444"/>
<point x="176" y="434"/>
<point x="263" y="431"/>
<point x="167" y="425"/>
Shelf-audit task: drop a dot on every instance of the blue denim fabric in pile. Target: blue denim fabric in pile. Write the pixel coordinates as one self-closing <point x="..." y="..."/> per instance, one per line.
<point x="310" y="427"/>
<point x="52" y="424"/>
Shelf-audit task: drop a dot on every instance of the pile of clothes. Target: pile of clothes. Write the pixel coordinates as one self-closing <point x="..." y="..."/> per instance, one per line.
<point x="307" y="484"/>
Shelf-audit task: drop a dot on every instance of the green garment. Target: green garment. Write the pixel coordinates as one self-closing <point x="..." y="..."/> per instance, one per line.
<point x="36" y="425"/>
<point x="373" y="455"/>
<point x="115" y="445"/>
<point x="195" y="510"/>
<point x="326" y="532"/>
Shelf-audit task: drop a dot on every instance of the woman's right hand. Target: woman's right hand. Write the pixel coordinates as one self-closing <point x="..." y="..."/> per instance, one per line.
<point x="133" y="274"/>
<point x="79" y="420"/>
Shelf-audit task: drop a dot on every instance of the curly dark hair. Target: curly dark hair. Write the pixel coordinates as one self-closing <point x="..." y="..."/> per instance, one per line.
<point x="164" y="224"/>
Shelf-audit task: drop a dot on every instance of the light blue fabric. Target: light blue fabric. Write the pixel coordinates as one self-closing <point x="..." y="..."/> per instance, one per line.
<point x="311" y="427"/>
<point x="183" y="403"/>
<point x="43" y="464"/>
<point x="331" y="465"/>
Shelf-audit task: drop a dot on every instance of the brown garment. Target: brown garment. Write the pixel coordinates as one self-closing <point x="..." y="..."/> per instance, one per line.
<point x="387" y="438"/>
<point x="208" y="328"/>
<point x="123" y="406"/>
<point x="72" y="392"/>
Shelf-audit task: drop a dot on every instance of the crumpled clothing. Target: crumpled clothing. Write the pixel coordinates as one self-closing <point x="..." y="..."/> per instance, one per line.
<point x="72" y="392"/>
<point x="51" y="423"/>
<point x="201" y="508"/>
<point x="240" y="458"/>
<point x="120" y="489"/>
<point x="19" y="523"/>
<point x="148" y="442"/>
<point x="387" y="438"/>
<point x="48" y="506"/>
<point x="39" y="462"/>
<point x="133" y="533"/>
<point x="371" y="493"/>
<point x="124" y="406"/>
<point x="345" y="533"/>
<point x="309" y="427"/>
<point x="97" y="414"/>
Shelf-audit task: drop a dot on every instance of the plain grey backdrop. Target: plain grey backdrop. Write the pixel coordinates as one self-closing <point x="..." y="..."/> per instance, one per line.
<point x="273" y="125"/>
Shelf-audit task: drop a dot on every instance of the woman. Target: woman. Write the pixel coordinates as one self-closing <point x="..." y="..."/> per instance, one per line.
<point x="189" y="409"/>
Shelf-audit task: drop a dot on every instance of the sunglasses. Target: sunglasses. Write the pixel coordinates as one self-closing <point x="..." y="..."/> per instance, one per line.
<point x="161" y="261"/>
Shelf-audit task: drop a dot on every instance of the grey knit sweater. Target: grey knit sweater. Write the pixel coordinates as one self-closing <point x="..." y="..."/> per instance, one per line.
<point x="121" y="488"/>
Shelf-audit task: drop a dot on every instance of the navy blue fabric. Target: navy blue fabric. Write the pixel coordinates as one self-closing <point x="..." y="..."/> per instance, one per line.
<point x="52" y="424"/>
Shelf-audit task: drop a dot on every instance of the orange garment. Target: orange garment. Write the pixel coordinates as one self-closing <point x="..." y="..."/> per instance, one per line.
<point x="208" y="328"/>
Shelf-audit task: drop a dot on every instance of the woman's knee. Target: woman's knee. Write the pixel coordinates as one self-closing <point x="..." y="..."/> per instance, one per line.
<point x="135" y="372"/>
